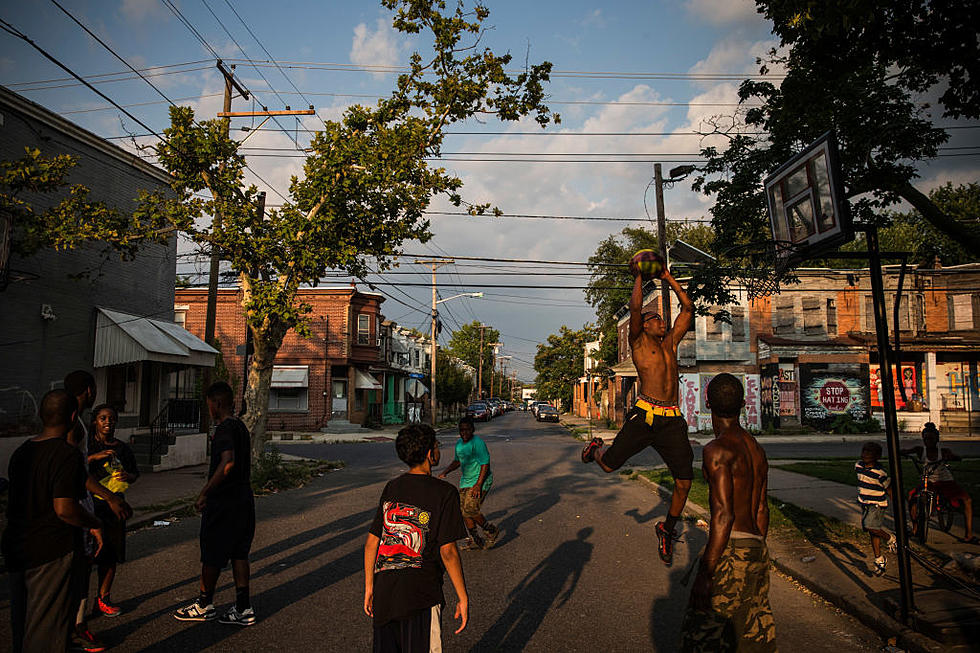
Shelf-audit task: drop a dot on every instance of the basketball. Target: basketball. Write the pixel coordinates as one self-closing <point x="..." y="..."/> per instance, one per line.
<point x="647" y="263"/>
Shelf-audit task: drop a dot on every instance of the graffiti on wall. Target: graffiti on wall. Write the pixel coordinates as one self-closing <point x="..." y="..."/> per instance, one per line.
<point x="690" y="399"/>
<point x="787" y="389"/>
<point x="827" y="392"/>
<point x="910" y="378"/>
<point x="693" y="396"/>
<point x="769" y="396"/>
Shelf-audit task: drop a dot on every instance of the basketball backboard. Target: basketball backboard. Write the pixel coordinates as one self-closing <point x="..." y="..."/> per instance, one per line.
<point x="807" y="209"/>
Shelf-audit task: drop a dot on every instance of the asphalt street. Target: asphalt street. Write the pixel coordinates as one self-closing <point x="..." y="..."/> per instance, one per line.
<point x="574" y="570"/>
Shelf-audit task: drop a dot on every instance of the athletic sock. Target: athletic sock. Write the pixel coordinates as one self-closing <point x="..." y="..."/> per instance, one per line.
<point x="242" y="601"/>
<point x="670" y="523"/>
<point x="205" y="598"/>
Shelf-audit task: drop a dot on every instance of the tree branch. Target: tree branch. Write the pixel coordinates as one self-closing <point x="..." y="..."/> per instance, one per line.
<point x="967" y="237"/>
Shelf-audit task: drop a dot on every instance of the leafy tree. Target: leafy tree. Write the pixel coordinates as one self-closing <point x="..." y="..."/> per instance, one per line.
<point x="560" y="363"/>
<point x="366" y="183"/>
<point x="453" y="384"/>
<point x="33" y="181"/>
<point x="608" y="286"/>
<point x="861" y="68"/>
<point x="464" y="344"/>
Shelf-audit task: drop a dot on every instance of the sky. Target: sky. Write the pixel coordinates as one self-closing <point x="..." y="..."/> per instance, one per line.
<point x="631" y="82"/>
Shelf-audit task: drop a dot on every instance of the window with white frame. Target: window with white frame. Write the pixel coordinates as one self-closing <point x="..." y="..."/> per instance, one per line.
<point x="363" y="329"/>
<point x="289" y="389"/>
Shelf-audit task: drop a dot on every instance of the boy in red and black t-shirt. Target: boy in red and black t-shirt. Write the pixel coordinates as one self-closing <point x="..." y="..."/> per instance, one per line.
<point x="411" y="541"/>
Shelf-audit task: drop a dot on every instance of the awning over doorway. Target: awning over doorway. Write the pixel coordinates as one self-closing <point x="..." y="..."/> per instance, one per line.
<point x="290" y="376"/>
<point x="364" y="381"/>
<point x="625" y="368"/>
<point x="123" y="338"/>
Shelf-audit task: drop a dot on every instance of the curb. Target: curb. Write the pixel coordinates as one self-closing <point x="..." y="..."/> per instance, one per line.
<point x="148" y="518"/>
<point x="881" y="623"/>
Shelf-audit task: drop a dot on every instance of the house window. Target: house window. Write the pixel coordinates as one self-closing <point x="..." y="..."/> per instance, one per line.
<point x="289" y="389"/>
<point x="812" y="319"/>
<point x="903" y="313"/>
<point x="363" y="329"/>
<point x="738" y="324"/>
<point x="960" y="311"/>
<point x="785" y="318"/>
<point x="121" y="387"/>
<point x="832" y="317"/>
<point x="180" y="318"/>
<point x="712" y="326"/>
<point x="919" y="310"/>
<point x="416" y="357"/>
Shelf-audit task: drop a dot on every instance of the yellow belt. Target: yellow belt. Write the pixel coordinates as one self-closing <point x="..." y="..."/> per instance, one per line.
<point x="653" y="409"/>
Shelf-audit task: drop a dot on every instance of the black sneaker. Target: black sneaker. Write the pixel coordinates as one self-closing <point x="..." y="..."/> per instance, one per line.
<point x="588" y="453"/>
<point x="666" y="546"/>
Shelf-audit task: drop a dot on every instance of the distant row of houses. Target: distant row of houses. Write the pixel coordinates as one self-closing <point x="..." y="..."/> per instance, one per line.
<point x="143" y="338"/>
<point x="808" y="355"/>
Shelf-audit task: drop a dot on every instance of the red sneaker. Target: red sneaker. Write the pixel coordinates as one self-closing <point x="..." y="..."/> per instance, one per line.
<point x="666" y="547"/>
<point x="83" y="640"/>
<point x="103" y="605"/>
<point x="588" y="453"/>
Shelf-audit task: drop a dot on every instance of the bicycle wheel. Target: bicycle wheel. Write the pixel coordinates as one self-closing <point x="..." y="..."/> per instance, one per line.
<point x="944" y="515"/>
<point x="925" y="511"/>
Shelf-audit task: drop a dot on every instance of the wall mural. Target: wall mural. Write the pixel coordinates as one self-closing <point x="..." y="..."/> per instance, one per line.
<point x="829" y="391"/>
<point x="693" y="394"/>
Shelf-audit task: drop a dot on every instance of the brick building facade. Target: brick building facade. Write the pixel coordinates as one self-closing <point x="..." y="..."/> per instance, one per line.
<point x="808" y="354"/>
<point x="336" y="374"/>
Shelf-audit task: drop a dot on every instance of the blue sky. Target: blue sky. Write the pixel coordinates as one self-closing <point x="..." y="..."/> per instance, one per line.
<point x="627" y="39"/>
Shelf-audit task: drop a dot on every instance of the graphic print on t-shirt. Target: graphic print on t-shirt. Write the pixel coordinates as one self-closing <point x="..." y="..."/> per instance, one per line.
<point x="403" y="537"/>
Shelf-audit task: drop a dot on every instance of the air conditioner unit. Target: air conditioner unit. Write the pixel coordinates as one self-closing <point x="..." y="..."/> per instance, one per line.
<point x="378" y="342"/>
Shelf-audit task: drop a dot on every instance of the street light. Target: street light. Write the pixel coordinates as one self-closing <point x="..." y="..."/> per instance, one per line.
<point x="432" y="345"/>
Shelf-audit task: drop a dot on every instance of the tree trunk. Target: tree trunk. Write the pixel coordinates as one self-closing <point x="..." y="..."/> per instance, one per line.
<point x="257" y="389"/>
<point x="965" y="235"/>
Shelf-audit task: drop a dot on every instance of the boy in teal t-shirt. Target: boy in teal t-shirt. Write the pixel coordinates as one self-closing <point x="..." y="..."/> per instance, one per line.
<point x="473" y="457"/>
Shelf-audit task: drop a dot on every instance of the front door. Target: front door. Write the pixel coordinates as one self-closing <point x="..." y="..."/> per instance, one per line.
<point x="339" y="398"/>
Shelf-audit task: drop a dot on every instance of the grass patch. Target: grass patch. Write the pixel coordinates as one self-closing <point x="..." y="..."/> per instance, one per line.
<point x="580" y="432"/>
<point x="785" y="519"/>
<point x="270" y="473"/>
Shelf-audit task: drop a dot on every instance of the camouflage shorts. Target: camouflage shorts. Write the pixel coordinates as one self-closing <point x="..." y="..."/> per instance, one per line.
<point x="740" y="618"/>
<point x="468" y="505"/>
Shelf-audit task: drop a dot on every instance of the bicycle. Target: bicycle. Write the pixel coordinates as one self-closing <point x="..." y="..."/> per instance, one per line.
<point x="924" y="503"/>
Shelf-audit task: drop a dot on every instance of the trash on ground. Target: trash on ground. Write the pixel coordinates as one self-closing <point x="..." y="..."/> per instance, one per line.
<point x="808" y="558"/>
<point x="159" y="522"/>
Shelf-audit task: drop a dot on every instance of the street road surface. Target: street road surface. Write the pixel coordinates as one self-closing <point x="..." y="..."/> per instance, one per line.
<point x="575" y="568"/>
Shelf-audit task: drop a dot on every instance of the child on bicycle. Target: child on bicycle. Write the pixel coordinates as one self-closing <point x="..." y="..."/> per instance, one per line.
<point x="874" y="488"/>
<point x="940" y="479"/>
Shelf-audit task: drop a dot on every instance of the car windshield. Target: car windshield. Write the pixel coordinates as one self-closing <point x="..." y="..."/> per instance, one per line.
<point x="548" y="409"/>
<point x="477" y="407"/>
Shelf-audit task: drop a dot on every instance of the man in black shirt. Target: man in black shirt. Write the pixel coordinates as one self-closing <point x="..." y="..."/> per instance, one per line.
<point x="411" y="541"/>
<point x="227" y="514"/>
<point x="42" y="544"/>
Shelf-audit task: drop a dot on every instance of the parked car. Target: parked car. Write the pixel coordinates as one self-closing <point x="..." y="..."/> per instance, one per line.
<point x="547" y="413"/>
<point x="479" y="410"/>
<point x="496" y="405"/>
<point x="537" y="405"/>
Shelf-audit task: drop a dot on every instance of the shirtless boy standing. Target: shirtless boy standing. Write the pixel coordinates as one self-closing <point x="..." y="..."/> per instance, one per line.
<point x="729" y="607"/>
<point x="655" y="419"/>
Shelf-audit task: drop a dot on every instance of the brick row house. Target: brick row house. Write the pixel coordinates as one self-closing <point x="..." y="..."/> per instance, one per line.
<point x="82" y="309"/>
<point x="354" y="368"/>
<point x="808" y="355"/>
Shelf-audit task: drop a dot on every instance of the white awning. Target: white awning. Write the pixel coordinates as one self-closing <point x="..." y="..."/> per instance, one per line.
<point x="290" y="376"/>
<point x="364" y="381"/>
<point x="625" y="368"/>
<point x="123" y="338"/>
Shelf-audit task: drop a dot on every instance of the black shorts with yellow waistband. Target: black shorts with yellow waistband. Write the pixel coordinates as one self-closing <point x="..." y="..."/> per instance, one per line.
<point x="650" y="424"/>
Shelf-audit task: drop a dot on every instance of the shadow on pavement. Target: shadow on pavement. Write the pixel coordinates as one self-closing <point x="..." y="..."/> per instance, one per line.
<point x="536" y="594"/>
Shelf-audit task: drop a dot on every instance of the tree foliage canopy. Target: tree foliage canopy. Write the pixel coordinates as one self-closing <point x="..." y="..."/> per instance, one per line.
<point x="863" y="69"/>
<point x="366" y="183"/>
<point x="560" y="363"/>
<point x="464" y="344"/>
<point x="453" y="384"/>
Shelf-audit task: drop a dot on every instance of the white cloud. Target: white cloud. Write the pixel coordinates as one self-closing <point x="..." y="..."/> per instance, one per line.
<point x="723" y="12"/>
<point x="377" y="48"/>
<point x="594" y="18"/>
<point x="138" y="11"/>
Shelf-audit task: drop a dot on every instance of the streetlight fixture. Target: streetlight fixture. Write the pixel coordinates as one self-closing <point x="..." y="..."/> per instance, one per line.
<point x="432" y="344"/>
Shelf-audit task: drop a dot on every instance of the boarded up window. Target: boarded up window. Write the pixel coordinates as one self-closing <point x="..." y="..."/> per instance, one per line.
<point x="904" y="324"/>
<point x="812" y="319"/>
<point x="869" y="314"/>
<point x="960" y="311"/>
<point x="738" y="324"/>
<point x="832" y="317"/>
<point x="785" y="318"/>
<point x="712" y="326"/>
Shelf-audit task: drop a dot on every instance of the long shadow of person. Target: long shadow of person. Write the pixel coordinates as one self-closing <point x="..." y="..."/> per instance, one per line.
<point x="533" y="597"/>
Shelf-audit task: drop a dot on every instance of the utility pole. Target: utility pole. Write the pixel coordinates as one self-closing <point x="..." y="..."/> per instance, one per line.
<point x="435" y="264"/>
<point x="662" y="240"/>
<point x="479" y="373"/>
<point x="493" y="363"/>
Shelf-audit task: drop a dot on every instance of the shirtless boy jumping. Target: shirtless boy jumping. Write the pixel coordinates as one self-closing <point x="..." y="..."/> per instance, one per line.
<point x="729" y="607"/>
<point x="655" y="420"/>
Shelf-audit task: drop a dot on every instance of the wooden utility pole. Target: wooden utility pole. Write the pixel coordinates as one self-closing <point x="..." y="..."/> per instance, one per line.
<point x="435" y="264"/>
<point x="479" y="373"/>
<point x="662" y="240"/>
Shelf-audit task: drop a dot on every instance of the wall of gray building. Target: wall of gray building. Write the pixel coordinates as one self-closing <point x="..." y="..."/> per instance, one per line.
<point x="35" y="353"/>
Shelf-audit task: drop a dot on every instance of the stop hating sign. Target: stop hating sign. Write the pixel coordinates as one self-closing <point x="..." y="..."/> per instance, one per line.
<point x="835" y="396"/>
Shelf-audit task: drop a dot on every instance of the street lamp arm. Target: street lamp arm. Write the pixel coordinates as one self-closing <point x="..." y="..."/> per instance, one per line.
<point x="464" y="294"/>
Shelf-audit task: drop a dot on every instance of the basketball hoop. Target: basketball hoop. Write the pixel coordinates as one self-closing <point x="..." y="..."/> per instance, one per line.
<point x="758" y="266"/>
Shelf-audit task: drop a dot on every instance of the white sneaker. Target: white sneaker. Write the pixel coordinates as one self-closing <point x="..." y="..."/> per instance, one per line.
<point x="892" y="544"/>
<point x="244" y="618"/>
<point x="879" y="569"/>
<point x="195" y="612"/>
